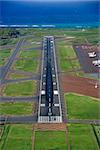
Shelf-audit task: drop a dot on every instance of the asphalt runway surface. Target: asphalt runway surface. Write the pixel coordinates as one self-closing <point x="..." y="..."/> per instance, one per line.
<point x="49" y="98"/>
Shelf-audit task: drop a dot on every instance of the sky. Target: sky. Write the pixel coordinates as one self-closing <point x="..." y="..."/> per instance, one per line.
<point x="49" y="0"/>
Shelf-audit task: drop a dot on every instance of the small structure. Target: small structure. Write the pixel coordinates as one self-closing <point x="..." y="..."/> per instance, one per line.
<point x="96" y="63"/>
<point x="92" y="54"/>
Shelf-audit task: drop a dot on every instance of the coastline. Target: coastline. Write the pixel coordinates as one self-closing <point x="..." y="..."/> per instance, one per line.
<point x="76" y="26"/>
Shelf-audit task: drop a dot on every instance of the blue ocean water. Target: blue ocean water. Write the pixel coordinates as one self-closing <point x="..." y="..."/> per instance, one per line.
<point x="58" y="14"/>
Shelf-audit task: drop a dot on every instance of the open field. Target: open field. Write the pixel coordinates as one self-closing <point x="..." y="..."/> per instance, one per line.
<point x="20" y="89"/>
<point x="97" y="133"/>
<point x="67" y="58"/>
<point x="31" y="43"/>
<point x="4" y="55"/>
<point x="30" y="54"/>
<point x="90" y="34"/>
<point x="27" y="65"/>
<point x="53" y="140"/>
<point x="68" y="49"/>
<point x="3" y="135"/>
<point x="33" y="39"/>
<point x="16" y="76"/>
<point x="17" y="137"/>
<point x="80" y="85"/>
<point x="16" y="108"/>
<point x="9" y="41"/>
<point x="82" y="107"/>
<point x="81" y="137"/>
<point x="30" y="46"/>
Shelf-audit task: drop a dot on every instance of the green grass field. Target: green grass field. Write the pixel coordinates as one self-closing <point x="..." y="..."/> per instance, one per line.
<point x="67" y="58"/>
<point x="32" y="44"/>
<point x="9" y="41"/>
<point x="67" y="49"/>
<point x="3" y="135"/>
<point x="82" y="107"/>
<point x="81" y="137"/>
<point x="16" y="76"/>
<point x="34" y="40"/>
<point x="4" y="55"/>
<point x="17" y="137"/>
<point x="27" y="88"/>
<point x="16" y="108"/>
<point x="90" y="34"/>
<point x="27" y="65"/>
<point x="50" y="140"/>
<point x="97" y="130"/>
<point x="61" y="43"/>
<point x="30" y="54"/>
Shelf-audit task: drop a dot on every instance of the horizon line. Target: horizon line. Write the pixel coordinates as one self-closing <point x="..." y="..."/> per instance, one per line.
<point x="54" y="0"/>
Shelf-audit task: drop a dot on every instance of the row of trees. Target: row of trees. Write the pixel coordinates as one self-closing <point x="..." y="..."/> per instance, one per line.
<point x="6" y="33"/>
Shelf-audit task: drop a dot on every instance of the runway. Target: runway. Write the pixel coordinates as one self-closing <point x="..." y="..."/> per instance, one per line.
<point x="49" y="98"/>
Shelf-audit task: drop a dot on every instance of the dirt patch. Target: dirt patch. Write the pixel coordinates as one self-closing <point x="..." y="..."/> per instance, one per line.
<point x="79" y="85"/>
<point x="50" y="126"/>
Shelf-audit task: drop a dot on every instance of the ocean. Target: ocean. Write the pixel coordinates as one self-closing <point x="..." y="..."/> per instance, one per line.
<point x="49" y="14"/>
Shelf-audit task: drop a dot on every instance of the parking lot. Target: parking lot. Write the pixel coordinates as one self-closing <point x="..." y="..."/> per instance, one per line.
<point x="89" y="57"/>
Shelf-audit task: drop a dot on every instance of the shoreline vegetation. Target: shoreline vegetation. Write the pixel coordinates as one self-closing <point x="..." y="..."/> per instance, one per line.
<point x="11" y="35"/>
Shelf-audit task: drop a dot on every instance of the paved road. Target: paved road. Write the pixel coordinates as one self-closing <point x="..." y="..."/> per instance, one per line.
<point x="35" y="77"/>
<point x="2" y="69"/>
<point x="33" y="119"/>
<point x="21" y="72"/>
<point x="34" y="58"/>
<point x="18" y="119"/>
<point x="7" y="46"/>
<point x="33" y="48"/>
<point x="83" y="121"/>
<point x="10" y="61"/>
<point x="49" y="98"/>
<point x="19" y="99"/>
